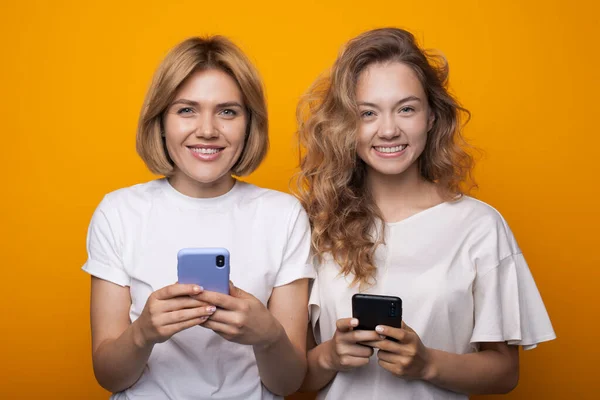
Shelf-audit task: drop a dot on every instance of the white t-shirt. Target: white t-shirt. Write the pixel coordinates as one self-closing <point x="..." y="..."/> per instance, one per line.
<point x="133" y="240"/>
<point x="462" y="280"/>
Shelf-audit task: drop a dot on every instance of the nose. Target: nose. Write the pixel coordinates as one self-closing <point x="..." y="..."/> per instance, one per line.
<point x="206" y="127"/>
<point x="388" y="128"/>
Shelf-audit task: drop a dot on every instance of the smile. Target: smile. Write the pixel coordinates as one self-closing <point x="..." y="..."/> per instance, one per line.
<point x="394" y="149"/>
<point x="206" y="153"/>
<point x="204" y="150"/>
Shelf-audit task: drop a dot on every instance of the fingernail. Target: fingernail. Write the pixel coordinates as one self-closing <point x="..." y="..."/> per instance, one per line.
<point x="381" y="337"/>
<point x="197" y="288"/>
<point x="211" y="309"/>
<point x="379" y="329"/>
<point x="203" y="319"/>
<point x="354" y="322"/>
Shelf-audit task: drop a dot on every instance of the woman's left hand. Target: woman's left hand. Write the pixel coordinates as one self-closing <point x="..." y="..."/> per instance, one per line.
<point x="241" y="318"/>
<point x="408" y="358"/>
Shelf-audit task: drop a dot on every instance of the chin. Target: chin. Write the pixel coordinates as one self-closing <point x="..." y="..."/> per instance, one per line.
<point x="207" y="177"/>
<point x="392" y="173"/>
<point x="388" y="170"/>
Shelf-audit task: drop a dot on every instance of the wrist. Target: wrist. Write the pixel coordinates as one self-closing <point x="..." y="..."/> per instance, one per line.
<point x="431" y="369"/>
<point x="324" y="358"/>
<point x="139" y="339"/>
<point x="277" y="333"/>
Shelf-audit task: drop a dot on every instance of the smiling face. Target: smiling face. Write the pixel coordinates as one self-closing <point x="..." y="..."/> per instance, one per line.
<point x="394" y="118"/>
<point x="205" y="129"/>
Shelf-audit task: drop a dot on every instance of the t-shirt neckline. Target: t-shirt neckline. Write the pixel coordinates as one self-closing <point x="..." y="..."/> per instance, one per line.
<point x="425" y="212"/>
<point x="189" y="202"/>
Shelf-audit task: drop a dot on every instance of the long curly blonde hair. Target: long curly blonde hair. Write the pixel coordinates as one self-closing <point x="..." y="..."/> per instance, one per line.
<point x="331" y="182"/>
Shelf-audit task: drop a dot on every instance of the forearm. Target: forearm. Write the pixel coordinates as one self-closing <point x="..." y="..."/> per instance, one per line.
<point x="319" y="372"/>
<point x="484" y="372"/>
<point x="119" y="363"/>
<point x="281" y="365"/>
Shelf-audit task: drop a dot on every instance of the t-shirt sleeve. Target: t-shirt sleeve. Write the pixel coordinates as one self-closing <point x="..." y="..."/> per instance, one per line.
<point x="104" y="246"/>
<point x="295" y="263"/>
<point x="508" y="306"/>
<point x="314" y="309"/>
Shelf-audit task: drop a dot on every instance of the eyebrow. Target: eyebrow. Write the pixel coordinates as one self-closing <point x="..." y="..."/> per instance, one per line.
<point x="195" y="103"/>
<point x="229" y="104"/>
<point x="402" y="101"/>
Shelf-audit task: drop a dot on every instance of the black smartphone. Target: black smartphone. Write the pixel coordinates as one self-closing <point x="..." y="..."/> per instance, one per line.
<point x="372" y="310"/>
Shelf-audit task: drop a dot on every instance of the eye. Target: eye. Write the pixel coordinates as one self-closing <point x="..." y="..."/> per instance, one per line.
<point x="367" y="114"/>
<point x="185" y="110"/>
<point x="228" y="112"/>
<point x="405" y="110"/>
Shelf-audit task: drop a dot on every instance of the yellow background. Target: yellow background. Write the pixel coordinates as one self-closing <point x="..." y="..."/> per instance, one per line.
<point x="72" y="79"/>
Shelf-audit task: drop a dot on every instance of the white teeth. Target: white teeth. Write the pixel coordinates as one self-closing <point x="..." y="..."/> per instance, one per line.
<point x="394" y="149"/>
<point x="203" y="150"/>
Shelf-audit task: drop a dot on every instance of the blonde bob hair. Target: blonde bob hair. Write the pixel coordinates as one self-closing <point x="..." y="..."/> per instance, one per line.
<point x="192" y="55"/>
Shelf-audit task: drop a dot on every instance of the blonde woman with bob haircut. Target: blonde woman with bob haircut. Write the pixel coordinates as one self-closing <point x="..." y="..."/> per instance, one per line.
<point x="384" y="176"/>
<point x="204" y="120"/>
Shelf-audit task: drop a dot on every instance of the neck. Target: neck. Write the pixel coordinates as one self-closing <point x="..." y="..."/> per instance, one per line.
<point x="192" y="188"/>
<point x="402" y="195"/>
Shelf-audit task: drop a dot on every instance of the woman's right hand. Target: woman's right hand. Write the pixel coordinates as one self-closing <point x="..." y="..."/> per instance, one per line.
<point x="345" y="351"/>
<point x="170" y="310"/>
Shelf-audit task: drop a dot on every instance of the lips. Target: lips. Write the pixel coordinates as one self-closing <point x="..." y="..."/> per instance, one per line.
<point x="205" y="148"/>
<point x="390" y="149"/>
<point x="206" y="152"/>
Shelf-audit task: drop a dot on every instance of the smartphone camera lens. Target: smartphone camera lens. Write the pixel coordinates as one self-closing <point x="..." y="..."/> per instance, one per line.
<point x="220" y="261"/>
<point x="392" y="309"/>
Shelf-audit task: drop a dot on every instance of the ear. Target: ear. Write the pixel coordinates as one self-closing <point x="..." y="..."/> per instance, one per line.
<point x="248" y="123"/>
<point x="430" y="120"/>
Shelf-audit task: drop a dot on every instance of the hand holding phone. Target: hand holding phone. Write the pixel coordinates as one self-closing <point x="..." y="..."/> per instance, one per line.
<point x="170" y="310"/>
<point x="403" y="353"/>
<point x="344" y="351"/>
<point x="242" y="318"/>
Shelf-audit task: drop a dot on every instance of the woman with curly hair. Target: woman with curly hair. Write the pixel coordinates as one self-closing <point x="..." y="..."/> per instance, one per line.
<point x="384" y="177"/>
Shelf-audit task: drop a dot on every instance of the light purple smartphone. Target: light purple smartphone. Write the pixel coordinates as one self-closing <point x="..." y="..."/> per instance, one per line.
<point x="206" y="267"/>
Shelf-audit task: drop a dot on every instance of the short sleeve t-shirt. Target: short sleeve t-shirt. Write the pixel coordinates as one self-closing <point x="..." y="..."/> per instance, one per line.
<point x="462" y="280"/>
<point x="133" y="240"/>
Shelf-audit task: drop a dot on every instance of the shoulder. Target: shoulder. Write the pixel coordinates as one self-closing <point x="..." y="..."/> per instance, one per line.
<point x="486" y="227"/>
<point x="474" y="210"/>
<point x="132" y="199"/>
